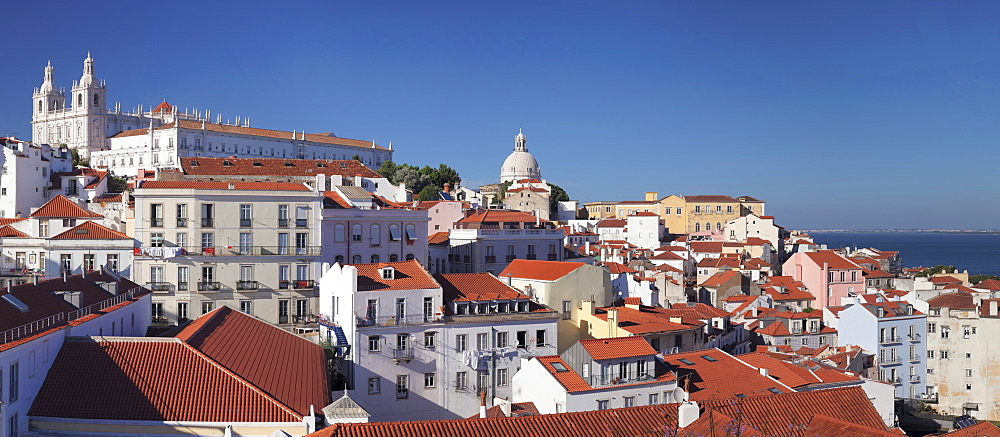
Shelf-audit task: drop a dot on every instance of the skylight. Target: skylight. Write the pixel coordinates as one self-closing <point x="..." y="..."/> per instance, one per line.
<point x="774" y="390"/>
<point x="559" y="367"/>
<point x="15" y="302"/>
<point x="709" y="358"/>
<point x="686" y="361"/>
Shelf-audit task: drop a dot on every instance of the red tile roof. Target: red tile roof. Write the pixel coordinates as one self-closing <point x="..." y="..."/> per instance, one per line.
<point x="617" y="347"/>
<point x="216" y="185"/>
<point x="201" y="166"/>
<point x="8" y="231"/>
<point x="90" y="231"/>
<point x="410" y="275"/>
<point x="7" y="221"/>
<point x="981" y="429"/>
<point x="516" y="410"/>
<point x="989" y="284"/>
<point x="645" y="214"/>
<point x="569" y="379"/>
<point x="834" y="260"/>
<point x="648" y="320"/>
<point x="707" y="246"/>
<point x="821" y="425"/>
<point x="438" y="238"/>
<point x="785" y="414"/>
<point x="667" y="256"/>
<point x="265" y="356"/>
<point x="62" y="207"/>
<point x="944" y="280"/>
<point x="539" y="270"/>
<point x="500" y="216"/>
<point x="958" y="301"/>
<point x="335" y="200"/>
<point x="723" y="378"/>
<point x="612" y="223"/>
<point x="618" y="268"/>
<point x="462" y="287"/>
<point x="252" y="131"/>
<point x="149" y="379"/>
<point x="721" y="278"/>
<point x="699" y="310"/>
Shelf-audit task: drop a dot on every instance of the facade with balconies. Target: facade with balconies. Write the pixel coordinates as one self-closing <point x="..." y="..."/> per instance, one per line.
<point x="254" y="246"/>
<point x="360" y="228"/>
<point x="415" y="346"/>
<point x="488" y="241"/>
<point x="894" y="332"/>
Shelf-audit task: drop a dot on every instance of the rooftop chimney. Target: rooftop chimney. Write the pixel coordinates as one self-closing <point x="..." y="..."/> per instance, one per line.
<point x="687" y="413"/>
<point x="763" y="371"/>
<point x="482" y="404"/>
<point x="587" y="307"/>
<point x="504" y="404"/>
<point x="993" y="307"/>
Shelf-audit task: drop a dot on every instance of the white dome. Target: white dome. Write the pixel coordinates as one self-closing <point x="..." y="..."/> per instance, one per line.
<point x="519" y="165"/>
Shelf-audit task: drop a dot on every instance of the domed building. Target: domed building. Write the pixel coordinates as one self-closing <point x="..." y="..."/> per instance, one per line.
<point x="520" y="164"/>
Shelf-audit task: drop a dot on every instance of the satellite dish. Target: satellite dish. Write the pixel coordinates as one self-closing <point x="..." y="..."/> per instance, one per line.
<point x="679" y="395"/>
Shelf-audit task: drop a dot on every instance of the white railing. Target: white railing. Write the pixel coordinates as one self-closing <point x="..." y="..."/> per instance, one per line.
<point x="32" y="328"/>
<point x="103" y="305"/>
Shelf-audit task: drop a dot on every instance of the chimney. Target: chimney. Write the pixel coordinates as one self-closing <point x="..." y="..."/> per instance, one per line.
<point x="993" y="307"/>
<point x="587" y="307"/>
<point x="763" y="371"/>
<point x="504" y="404"/>
<point x="613" y="322"/>
<point x="482" y="404"/>
<point x="652" y="196"/>
<point x="687" y="413"/>
<point x="633" y="305"/>
<point x="676" y="319"/>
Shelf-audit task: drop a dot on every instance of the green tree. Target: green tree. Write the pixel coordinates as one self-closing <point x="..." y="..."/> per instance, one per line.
<point x="388" y="171"/>
<point x="429" y="192"/>
<point x="356" y="157"/>
<point x="558" y="195"/>
<point x="442" y="175"/>
<point x="935" y="270"/>
<point x="975" y="279"/>
<point x="77" y="161"/>
<point x="415" y="180"/>
<point x="117" y="184"/>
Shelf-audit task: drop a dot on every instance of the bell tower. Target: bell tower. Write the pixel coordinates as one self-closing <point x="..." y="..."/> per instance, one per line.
<point x="47" y="102"/>
<point x="89" y="107"/>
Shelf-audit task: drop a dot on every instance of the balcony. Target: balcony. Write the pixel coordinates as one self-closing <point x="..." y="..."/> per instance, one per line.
<point x="914" y="337"/>
<point x="391" y="321"/>
<point x="247" y="285"/>
<point x="182" y="222"/>
<point x="402" y="354"/>
<point x="207" y="222"/>
<point x="915" y="358"/>
<point x="282" y="223"/>
<point x="307" y="284"/>
<point x="209" y="287"/>
<point x="159" y="287"/>
<point x="888" y="361"/>
<point x="246" y="223"/>
<point x="553" y="257"/>
<point x="156" y="222"/>
<point x="914" y="379"/>
<point x="169" y="252"/>
<point x="491" y="259"/>
<point x="301" y="223"/>
<point x="531" y="256"/>
<point x="511" y="258"/>
<point x="889" y="339"/>
<point x="182" y="286"/>
<point x="616" y="379"/>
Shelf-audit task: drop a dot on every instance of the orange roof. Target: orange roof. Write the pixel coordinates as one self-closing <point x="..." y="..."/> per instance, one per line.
<point x="667" y="256"/>
<point x="755" y="241"/>
<point x="500" y="216"/>
<point x="647" y="319"/>
<point x="612" y="223"/>
<point x="209" y="185"/>
<point x="821" y="425"/>
<point x="334" y="199"/>
<point x="62" y="207"/>
<point x="252" y="131"/>
<point x="7" y="221"/>
<point x="89" y="230"/>
<point x="8" y="231"/>
<point x="645" y="214"/>
<point x="569" y="379"/>
<point x="410" y="275"/>
<point x="163" y="107"/>
<point x="618" y="347"/>
<point x="981" y="429"/>
<point x="460" y="287"/>
<point x="832" y="259"/>
<point x="721" y="376"/>
<point x="618" y="268"/>
<point x="202" y="166"/>
<point x="719" y="279"/>
<point x="989" y="284"/>
<point x="438" y="238"/>
<point x="707" y="246"/>
<point x="633" y="300"/>
<point x="265" y="356"/>
<point x="699" y="310"/>
<point x="958" y="301"/>
<point x="944" y="280"/>
<point x="539" y="270"/>
<point x="790" y="414"/>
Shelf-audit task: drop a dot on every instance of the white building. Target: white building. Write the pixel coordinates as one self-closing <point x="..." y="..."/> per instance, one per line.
<point x="254" y="246"/>
<point x="894" y="332"/>
<point x="752" y="225"/>
<point x="35" y="320"/>
<point x="644" y="229"/>
<point x="26" y="174"/>
<point x="596" y="374"/>
<point x="418" y="347"/>
<point x="489" y="240"/>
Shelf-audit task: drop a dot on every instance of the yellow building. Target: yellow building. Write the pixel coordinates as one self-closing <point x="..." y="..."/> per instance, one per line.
<point x="600" y="210"/>
<point x="686" y="214"/>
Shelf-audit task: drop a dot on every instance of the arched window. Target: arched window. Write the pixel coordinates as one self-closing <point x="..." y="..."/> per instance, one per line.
<point x="356" y="259"/>
<point x="339" y="259"/>
<point x="39" y="106"/>
<point x="708" y="226"/>
<point x="356" y="233"/>
<point x="338" y="233"/>
<point x="409" y="257"/>
<point x="718" y="226"/>
<point x="97" y="100"/>
<point x="376" y="235"/>
<point x="393" y="232"/>
<point x="79" y="100"/>
<point x="375" y="258"/>
<point x="697" y="227"/>
<point x="393" y="257"/>
<point x="411" y="232"/>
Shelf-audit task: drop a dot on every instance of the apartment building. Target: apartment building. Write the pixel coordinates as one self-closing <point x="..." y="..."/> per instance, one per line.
<point x="829" y="276"/>
<point x="488" y="241"/>
<point x="794" y="329"/>
<point x="26" y="171"/>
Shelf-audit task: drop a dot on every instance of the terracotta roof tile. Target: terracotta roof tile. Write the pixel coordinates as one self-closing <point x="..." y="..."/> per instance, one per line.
<point x="958" y="301"/>
<point x="8" y="231"/>
<point x="618" y="268"/>
<point x="981" y="429"/>
<point x="7" y="221"/>
<point x="706" y="246"/>
<point x="89" y="230"/>
<point x="266" y="356"/>
<point x="612" y="223"/>
<point x="539" y="270"/>
<point x="334" y="199"/>
<point x="989" y="284"/>
<point x="647" y="319"/>
<point x="252" y="131"/>
<point x="438" y="238"/>
<point x="516" y="410"/>
<point x="500" y="216"/>
<point x="460" y="287"/>
<point x="216" y="185"/>
<point x="618" y="347"/>
<point x="202" y="166"/>
<point x="834" y="260"/>
<point x="721" y="376"/>
<point x="410" y="275"/>
<point x="62" y="207"/>
<point x="721" y="278"/>
<point x="944" y="280"/>
<point x="825" y="426"/>
<point x="569" y="379"/>
<point x="700" y="310"/>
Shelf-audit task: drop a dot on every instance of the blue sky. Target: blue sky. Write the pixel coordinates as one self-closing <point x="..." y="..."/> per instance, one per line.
<point x="840" y="115"/>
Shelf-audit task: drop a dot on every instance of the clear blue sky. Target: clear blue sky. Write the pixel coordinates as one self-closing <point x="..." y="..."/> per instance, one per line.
<point x="841" y="115"/>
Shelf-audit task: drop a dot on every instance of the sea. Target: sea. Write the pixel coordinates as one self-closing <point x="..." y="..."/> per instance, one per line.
<point x="979" y="253"/>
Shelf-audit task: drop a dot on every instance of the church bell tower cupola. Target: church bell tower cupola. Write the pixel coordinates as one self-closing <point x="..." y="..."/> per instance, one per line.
<point x="88" y="93"/>
<point x="48" y="98"/>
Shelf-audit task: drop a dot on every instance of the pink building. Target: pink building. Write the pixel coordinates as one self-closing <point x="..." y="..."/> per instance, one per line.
<point x="442" y="213"/>
<point x="828" y="275"/>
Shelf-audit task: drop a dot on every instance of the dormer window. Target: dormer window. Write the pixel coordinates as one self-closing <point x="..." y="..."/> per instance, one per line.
<point x="388" y="273"/>
<point x="503" y="307"/>
<point x="881" y="312"/>
<point x="461" y="309"/>
<point x="257" y="164"/>
<point x="226" y="163"/>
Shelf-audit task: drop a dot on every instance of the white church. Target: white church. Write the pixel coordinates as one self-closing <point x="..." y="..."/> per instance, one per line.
<point x="128" y="141"/>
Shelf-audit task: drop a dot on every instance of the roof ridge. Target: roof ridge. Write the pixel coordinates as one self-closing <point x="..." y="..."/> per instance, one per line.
<point x="757" y="369"/>
<point x="241" y="379"/>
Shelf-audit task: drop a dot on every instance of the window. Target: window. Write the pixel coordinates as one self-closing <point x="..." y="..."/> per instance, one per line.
<point x="603" y="404"/>
<point x="374" y="386"/>
<point x="461" y="342"/>
<point x="207" y="215"/>
<point x="182" y="311"/>
<point x="697" y="209"/>
<point x="301" y="216"/>
<point x="968" y="387"/>
<point x="356" y="233"/>
<point x="14" y="376"/>
<point x="482" y="380"/>
<point x="246" y="307"/>
<point x="968" y="373"/>
<point x="461" y="381"/>
<point x="302" y="243"/>
<point x="402" y="387"/>
<point x="429" y="339"/>
<point x="156" y="215"/>
<point x="932" y="327"/>
<point x="429" y="380"/>
<point x="156" y="239"/>
<point x="930" y="354"/>
<point x="482" y="341"/>
<point x="629" y="401"/>
<point x="654" y="398"/>
<point x="428" y="309"/>
<point x="375" y="235"/>
<point x="246" y="219"/>
<point x="88" y="261"/>
<point x="697" y="227"/>
<point x="339" y="232"/>
<point x="945" y="331"/>
<point x="944" y="354"/>
<point x="182" y="212"/>
<point x="374" y="343"/>
<point x="207" y="307"/>
<point x="157" y="310"/>
<point x="394" y="234"/>
<point x="501" y="377"/>
<point x="966" y="332"/>
<point x="501" y="339"/>
<point x="567" y="309"/>
<point x="246" y="243"/>
<point x="283" y="217"/>
<point x="43" y="227"/>
<point x="540" y="337"/>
